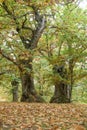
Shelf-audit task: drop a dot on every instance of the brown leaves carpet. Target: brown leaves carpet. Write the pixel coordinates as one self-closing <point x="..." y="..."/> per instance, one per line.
<point x="37" y="116"/>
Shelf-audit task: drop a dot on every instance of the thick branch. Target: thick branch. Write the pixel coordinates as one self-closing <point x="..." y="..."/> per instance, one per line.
<point x="6" y="9"/>
<point x="38" y="32"/>
<point x="7" y="57"/>
<point x="29" y="43"/>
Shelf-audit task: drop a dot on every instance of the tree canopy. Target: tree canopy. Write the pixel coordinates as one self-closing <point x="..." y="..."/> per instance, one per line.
<point x="43" y="45"/>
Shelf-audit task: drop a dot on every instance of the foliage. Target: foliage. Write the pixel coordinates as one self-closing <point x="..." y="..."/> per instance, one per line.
<point x="80" y="91"/>
<point x="63" y="42"/>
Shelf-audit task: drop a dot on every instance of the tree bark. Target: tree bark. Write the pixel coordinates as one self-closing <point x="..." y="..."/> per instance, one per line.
<point x="29" y="93"/>
<point x="15" y="90"/>
<point x="62" y="93"/>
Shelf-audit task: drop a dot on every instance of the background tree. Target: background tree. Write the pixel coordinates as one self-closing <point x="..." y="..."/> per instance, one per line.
<point x="72" y="50"/>
<point x="66" y="49"/>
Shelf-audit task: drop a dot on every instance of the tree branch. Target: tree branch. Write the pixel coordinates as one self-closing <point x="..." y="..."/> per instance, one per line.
<point x="8" y="57"/>
<point x="38" y="32"/>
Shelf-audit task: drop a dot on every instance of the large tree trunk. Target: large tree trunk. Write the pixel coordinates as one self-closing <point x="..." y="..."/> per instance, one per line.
<point x="62" y="93"/>
<point x="29" y="93"/>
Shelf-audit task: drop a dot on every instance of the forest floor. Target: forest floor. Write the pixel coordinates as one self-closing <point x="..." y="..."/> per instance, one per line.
<point x="36" y="116"/>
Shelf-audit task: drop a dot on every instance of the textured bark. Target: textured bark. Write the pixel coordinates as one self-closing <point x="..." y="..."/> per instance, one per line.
<point x="15" y="90"/>
<point x="62" y="93"/>
<point x="29" y="93"/>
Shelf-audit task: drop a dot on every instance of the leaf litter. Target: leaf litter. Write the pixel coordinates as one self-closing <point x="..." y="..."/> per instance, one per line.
<point x="40" y="116"/>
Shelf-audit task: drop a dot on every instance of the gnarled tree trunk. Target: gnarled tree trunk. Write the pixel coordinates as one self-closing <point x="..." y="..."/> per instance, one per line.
<point x="29" y="93"/>
<point x="62" y="93"/>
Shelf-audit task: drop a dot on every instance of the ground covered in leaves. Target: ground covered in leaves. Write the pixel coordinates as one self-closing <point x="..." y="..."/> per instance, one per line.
<point x="36" y="116"/>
